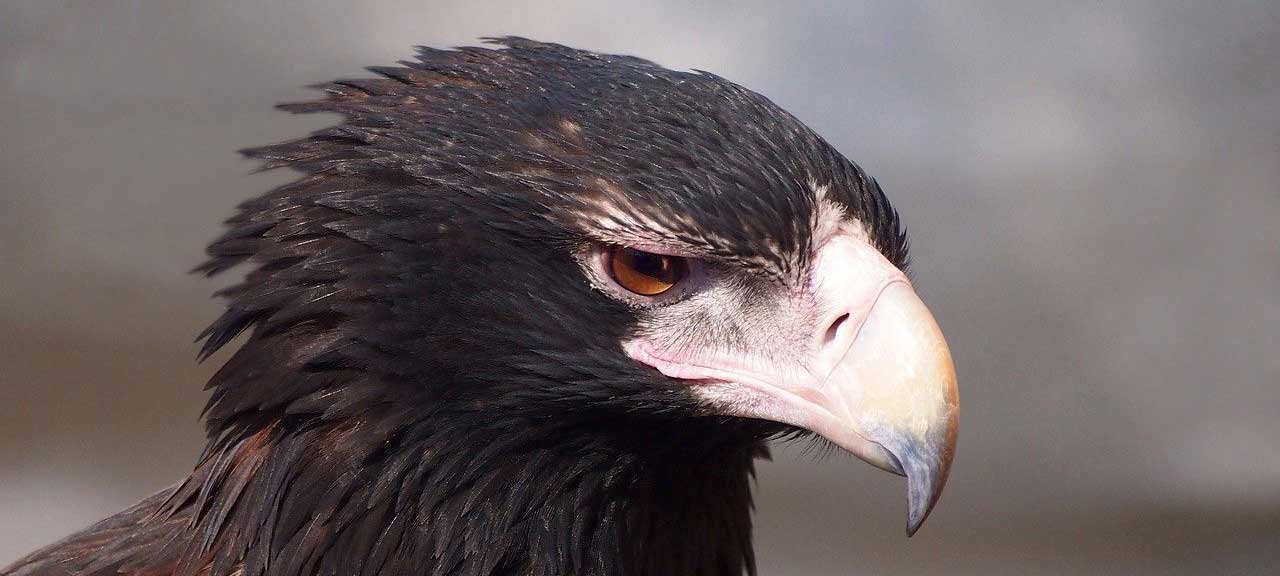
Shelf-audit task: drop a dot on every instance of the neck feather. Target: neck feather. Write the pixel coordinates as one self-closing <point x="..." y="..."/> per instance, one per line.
<point x="472" y="498"/>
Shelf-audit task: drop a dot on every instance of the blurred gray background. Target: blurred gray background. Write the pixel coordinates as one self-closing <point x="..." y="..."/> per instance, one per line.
<point x="1091" y="192"/>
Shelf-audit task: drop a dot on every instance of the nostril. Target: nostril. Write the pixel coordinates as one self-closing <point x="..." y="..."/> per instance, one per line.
<point x="834" y="329"/>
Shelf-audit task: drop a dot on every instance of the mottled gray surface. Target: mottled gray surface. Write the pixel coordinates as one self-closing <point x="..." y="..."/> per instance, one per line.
<point x="1092" y="194"/>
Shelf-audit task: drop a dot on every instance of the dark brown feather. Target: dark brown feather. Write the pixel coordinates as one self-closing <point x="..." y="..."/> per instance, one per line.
<point x="428" y="385"/>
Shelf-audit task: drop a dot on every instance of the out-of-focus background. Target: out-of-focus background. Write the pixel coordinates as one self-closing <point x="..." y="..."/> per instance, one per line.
<point x="1092" y="193"/>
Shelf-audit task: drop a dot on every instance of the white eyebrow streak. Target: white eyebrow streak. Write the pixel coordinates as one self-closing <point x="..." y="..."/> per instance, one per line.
<point x="607" y="221"/>
<point x="830" y="218"/>
<point x="608" y="217"/>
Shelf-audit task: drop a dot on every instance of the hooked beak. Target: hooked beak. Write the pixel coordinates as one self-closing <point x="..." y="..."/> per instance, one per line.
<point x="879" y="381"/>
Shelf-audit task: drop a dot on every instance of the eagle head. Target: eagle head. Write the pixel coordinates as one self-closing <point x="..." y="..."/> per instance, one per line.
<point x="541" y="238"/>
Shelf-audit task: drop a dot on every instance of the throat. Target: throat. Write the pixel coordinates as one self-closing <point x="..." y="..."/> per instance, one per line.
<point x="473" y="501"/>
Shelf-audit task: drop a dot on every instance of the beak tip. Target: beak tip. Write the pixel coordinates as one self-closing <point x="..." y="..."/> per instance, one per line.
<point x="926" y="478"/>
<point x="916" y="518"/>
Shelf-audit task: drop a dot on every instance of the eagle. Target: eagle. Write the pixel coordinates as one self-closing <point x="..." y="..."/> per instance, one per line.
<point x="535" y="310"/>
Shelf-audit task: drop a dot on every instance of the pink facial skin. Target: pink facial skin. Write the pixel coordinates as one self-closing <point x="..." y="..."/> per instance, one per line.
<point x="872" y="374"/>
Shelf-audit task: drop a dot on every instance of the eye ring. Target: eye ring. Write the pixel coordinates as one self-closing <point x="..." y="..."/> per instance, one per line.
<point x="645" y="273"/>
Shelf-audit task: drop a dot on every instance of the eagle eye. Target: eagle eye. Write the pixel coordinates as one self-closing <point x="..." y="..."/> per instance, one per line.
<point x="645" y="273"/>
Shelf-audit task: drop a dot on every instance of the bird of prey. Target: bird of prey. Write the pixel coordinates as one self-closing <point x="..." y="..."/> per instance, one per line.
<point x="534" y="310"/>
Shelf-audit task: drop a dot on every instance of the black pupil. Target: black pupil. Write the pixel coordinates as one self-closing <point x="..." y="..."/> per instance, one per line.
<point x="652" y="265"/>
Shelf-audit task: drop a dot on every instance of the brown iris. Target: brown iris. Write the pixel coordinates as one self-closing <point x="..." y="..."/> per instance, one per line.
<point x="646" y="273"/>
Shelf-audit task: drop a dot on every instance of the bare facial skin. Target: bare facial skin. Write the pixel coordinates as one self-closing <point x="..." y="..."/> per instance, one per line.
<point x="845" y="349"/>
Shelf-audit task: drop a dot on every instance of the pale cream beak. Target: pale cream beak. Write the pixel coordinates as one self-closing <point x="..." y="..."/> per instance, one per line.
<point x="889" y="393"/>
<point x="892" y="399"/>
